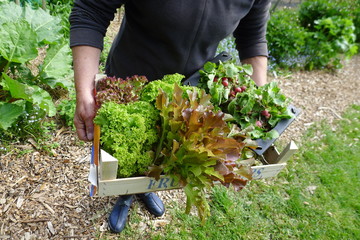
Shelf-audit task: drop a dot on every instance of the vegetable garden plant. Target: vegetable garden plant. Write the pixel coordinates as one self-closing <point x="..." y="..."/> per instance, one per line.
<point x="198" y="135"/>
<point x="25" y="87"/>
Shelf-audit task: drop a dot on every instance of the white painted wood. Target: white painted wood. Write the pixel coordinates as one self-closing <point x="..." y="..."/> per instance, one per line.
<point x="266" y="171"/>
<point x="124" y="186"/>
<point x="108" y="166"/>
<point x="285" y="155"/>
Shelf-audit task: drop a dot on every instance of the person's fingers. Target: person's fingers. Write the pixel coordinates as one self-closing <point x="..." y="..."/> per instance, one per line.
<point x="80" y="128"/>
<point x="89" y="129"/>
<point x="84" y="115"/>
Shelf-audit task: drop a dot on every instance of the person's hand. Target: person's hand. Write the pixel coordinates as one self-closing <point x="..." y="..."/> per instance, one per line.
<point x="84" y="116"/>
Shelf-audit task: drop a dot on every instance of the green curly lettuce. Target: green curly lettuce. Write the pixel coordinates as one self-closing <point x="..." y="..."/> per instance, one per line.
<point x="129" y="133"/>
<point x="151" y="90"/>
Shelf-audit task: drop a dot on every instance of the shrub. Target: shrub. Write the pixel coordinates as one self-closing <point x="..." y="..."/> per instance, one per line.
<point x="334" y="37"/>
<point x="317" y="36"/>
<point x="286" y="39"/>
<point x="312" y="10"/>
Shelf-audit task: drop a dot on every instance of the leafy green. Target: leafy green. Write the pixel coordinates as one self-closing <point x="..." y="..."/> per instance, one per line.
<point x="195" y="148"/>
<point x="33" y="94"/>
<point x="9" y="112"/>
<point x="151" y="90"/>
<point x="41" y="21"/>
<point x="119" y="90"/>
<point x="128" y="132"/>
<point x="46" y="27"/>
<point x="55" y="68"/>
<point x="27" y="34"/>
<point x="255" y="109"/>
<point x="18" y="42"/>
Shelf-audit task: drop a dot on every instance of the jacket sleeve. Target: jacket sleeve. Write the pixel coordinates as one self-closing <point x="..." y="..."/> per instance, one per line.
<point x="89" y="20"/>
<point x="250" y="35"/>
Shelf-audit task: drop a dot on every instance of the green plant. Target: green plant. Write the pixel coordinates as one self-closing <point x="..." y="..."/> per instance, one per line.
<point x="286" y="40"/>
<point x="256" y="110"/>
<point x="128" y="132"/>
<point x="312" y="10"/>
<point x="128" y="126"/>
<point x="319" y="35"/>
<point x="66" y="109"/>
<point x="105" y="53"/>
<point x="28" y="35"/>
<point x="62" y="10"/>
<point x="196" y="149"/>
<point x="334" y="37"/>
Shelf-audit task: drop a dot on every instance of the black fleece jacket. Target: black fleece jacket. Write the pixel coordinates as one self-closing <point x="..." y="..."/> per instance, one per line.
<point x="170" y="36"/>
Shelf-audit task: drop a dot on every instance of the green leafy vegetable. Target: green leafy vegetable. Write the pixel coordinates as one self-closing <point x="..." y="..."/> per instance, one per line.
<point x="25" y="33"/>
<point x="18" y="42"/>
<point x="128" y="132"/>
<point x="55" y="68"/>
<point x="151" y="90"/>
<point x="256" y="109"/>
<point x="195" y="147"/>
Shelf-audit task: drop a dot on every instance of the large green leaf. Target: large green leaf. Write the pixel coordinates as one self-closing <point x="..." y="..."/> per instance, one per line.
<point x="31" y="93"/>
<point x="47" y="27"/>
<point x="9" y="112"/>
<point x="18" y="42"/>
<point x="10" y="12"/>
<point x="57" y="66"/>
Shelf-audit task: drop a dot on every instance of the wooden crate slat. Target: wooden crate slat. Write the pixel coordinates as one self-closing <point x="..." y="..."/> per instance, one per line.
<point x="124" y="186"/>
<point x="133" y="185"/>
<point x="266" y="171"/>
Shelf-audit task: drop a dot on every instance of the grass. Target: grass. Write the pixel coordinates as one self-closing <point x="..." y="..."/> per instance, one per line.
<point x="317" y="196"/>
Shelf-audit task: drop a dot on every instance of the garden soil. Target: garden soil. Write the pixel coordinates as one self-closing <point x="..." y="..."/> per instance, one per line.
<point x="46" y="196"/>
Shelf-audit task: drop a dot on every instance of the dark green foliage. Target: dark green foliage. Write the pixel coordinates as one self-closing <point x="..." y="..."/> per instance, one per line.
<point x="319" y="35"/>
<point x="311" y="10"/>
<point x="333" y="38"/>
<point x="62" y="10"/>
<point x="286" y="39"/>
<point x="66" y="109"/>
<point x="27" y="34"/>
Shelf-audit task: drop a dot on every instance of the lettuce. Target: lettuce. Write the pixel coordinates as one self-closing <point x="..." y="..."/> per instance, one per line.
<point x="166" y="84"/>
<point x="128" y="132"/>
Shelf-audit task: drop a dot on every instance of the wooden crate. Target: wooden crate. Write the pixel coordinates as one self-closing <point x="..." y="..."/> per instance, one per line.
<point x="103" y="167"/>
<point x="103" y="170"/>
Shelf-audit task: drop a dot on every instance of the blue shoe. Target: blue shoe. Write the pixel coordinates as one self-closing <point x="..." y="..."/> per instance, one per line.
<point x="153" y="203"/>
<point x="119" y="214"/>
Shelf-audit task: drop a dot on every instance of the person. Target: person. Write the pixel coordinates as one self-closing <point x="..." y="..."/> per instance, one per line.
<point x="156" y="38"/>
